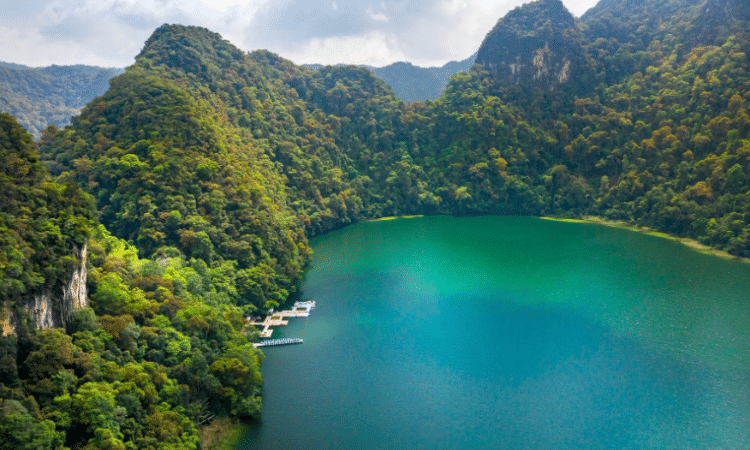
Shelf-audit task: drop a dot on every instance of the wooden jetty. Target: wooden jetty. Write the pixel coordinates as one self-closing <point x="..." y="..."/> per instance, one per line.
<point x="276" y="319"/>
<point x="272" y="342"/>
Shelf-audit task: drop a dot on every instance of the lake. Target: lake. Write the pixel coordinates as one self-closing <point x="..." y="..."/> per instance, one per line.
<point x="511" y="333"/>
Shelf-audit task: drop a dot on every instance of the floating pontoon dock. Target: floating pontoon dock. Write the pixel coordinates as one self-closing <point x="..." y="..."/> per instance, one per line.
<point x="271" y="342"/>
<point x="276" y="319"/>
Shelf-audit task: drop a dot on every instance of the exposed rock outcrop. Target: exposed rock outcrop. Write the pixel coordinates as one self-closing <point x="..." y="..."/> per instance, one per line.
<point x="5" y="324"/>
<point x="538" y="44"/>
<point x="75" y="294"/>
<point x="49" y="309"/>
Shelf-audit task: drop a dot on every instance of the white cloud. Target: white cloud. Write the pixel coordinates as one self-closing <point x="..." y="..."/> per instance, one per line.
<point x="112" y="32"/>
<point x="578" y="8"/>
<point x="377" y="17"/>
<point x="374" y="48"/>
<point x="30" y="47"/>
<point x="452" y="7"/>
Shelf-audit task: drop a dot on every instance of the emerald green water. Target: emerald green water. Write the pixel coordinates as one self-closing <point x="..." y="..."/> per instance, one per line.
<point x="511" y="333"/>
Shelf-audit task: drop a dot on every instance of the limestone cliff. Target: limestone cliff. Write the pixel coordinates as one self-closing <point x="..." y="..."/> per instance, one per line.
<point x="5" y="325"/>
<point x="41" y="223"/>
<point x="51" y="308"/>
<point x="537" y="45"/>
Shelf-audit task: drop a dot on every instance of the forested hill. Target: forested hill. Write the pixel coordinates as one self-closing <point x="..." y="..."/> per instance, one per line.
<point x="52" y="95"/>
<point x="38" y="97"/>
<point x="210" y="168"/>
<point x="198" y="137"/>
<point x="538" y="46"/>
<point x="41" y="222"/>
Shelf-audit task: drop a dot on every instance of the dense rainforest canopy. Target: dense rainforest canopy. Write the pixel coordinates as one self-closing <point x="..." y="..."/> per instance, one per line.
<point x="210" y="167"/>
<point x="41" y="221"/>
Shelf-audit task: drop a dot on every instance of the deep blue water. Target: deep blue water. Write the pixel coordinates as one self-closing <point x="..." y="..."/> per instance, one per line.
<point x="511" y="333"/>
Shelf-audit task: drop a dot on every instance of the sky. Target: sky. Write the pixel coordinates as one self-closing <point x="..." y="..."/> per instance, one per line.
<point x="111" y="33"/>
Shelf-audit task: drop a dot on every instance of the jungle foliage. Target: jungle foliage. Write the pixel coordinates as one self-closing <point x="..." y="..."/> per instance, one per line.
<point x="42" y="222"/>
<point x="161" y="351"/>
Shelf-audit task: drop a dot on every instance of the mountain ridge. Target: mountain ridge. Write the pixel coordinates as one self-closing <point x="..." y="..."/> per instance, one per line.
<point x="410" y="83"/>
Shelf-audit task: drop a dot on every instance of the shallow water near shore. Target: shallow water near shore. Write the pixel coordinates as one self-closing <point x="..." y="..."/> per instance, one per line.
<point x="510" y="333"/>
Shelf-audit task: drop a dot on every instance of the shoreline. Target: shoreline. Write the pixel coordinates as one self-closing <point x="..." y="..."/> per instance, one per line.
<point x="383" y="219"/>
<point x="688" y="242"/>
<point x="222" y="434"/>
<point x="597" y="220"/>
<point x="229" y="437"/>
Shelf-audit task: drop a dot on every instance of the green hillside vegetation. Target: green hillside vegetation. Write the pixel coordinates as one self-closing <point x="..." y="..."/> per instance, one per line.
<point x="163" y="348"/>
<point x="168" y="172"/>
<point x="160" y="353"/>
<point x="211" y="168"/>
<point x="38" y="97"/>
<point x="41" y="221"/>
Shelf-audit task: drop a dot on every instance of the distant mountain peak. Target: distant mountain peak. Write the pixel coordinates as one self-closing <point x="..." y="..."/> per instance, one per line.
<point x="413" y="83"/>
<point x="538" y="43"/>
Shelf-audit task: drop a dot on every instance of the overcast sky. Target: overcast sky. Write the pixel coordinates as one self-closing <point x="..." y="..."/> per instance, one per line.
<point x="111" y="32"/>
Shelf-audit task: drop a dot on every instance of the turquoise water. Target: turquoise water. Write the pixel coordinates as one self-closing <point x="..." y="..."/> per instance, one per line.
<point x="511" y="333"/>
